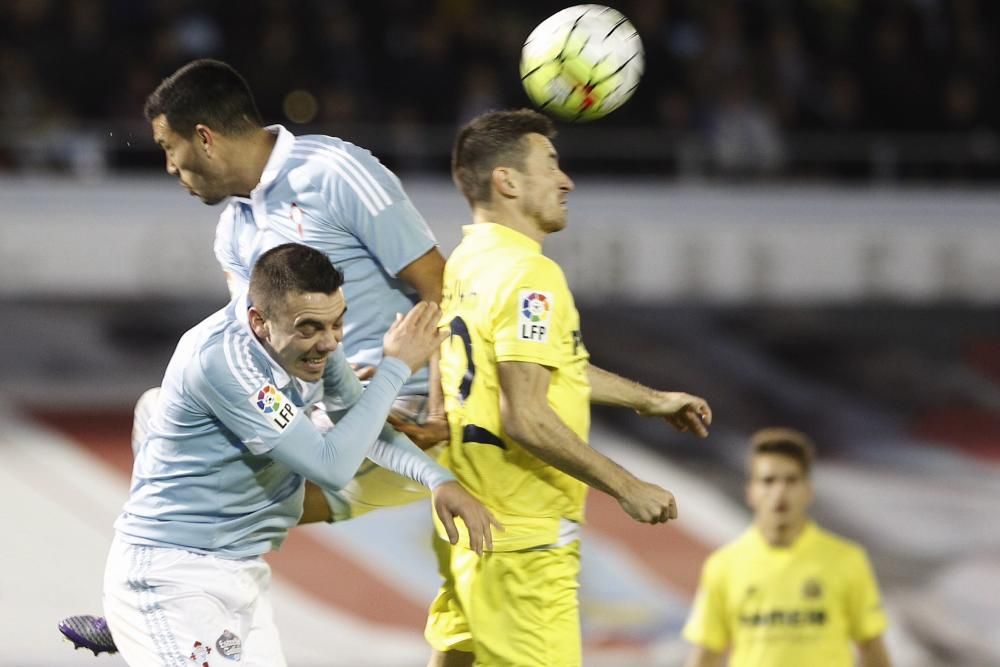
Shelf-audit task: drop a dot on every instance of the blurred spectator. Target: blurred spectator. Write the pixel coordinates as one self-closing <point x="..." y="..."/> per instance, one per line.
<point x="747" y="75"/>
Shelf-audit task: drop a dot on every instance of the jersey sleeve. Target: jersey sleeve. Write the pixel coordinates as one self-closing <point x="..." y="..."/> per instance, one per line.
<point x="369" y="201"/>
<point x="528" y="317"/>
<point x="707" y="625"/>
<point x="341" y="387"/>
<point x="866" y="617"/>
<point x="232" y="388"/>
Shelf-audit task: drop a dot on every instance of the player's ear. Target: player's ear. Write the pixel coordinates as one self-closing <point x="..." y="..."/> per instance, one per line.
<point x="258" y="323"/>
<point x="204" y="137"/>
<point x="505" y="182"/>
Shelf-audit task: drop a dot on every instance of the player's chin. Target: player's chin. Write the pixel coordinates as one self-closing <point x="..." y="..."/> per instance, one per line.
<point x="556" y="221"/>
<point x="211" y="200"/>
<point x="311" y="369"/>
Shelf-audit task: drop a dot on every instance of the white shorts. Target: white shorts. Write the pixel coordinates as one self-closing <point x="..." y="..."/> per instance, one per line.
<point x="175" y="608"/>
<point x="372" y="488"/>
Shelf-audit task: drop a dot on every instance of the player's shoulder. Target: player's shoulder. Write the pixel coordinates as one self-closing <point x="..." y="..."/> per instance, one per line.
<point x="324" y="149"/>
<point x="733" y="553"/>
<point x="730" y="553"/>
<point x="837" y="546"/>
<point x="222" y="348"/>
<point x="537" y="265"/>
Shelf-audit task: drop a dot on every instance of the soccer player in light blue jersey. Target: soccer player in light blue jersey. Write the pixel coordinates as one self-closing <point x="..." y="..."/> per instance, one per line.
<point x="320" y="191"/>
<point x="325" y="193"/>
<point x="219" y="479"/>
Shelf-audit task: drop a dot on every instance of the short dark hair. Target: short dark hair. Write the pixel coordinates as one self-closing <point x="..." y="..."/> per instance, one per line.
<point x="291" y="268"/>
<point x="783" y="441"/>
<point x="493" y="139"/>
<point x="205" y="91"/>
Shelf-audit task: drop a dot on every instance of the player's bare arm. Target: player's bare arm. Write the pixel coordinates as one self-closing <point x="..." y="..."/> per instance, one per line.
<point x="685" y="412"/>
<point x="703" y="657"/>
<point x="528" y="418"/>
<point x="424" y="274"/>
<point x="872" y="653"/>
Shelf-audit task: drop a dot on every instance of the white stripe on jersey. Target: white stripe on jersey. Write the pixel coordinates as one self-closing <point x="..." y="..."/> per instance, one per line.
<point x="239" y="362"/>
<point x="341" y="157"/>
<point x="352" y="162"/>
<point x="373" y="208"/>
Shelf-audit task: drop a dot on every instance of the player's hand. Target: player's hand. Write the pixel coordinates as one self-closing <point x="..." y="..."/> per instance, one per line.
<point x="684" y="412"/>
<point x="413" y="337"/>
<point x="648" y="503"/>
<point x="363" y="372"/>
<point x="425" y="435"/>
<point x="451" y="500"/>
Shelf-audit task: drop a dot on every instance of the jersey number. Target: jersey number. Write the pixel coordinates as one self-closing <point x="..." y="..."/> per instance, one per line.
<point x="460" y="329"/>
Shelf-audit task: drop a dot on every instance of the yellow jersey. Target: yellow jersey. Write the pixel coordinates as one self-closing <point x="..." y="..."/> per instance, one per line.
<point x="787" y="607"/>
<point x="505" y="301"/>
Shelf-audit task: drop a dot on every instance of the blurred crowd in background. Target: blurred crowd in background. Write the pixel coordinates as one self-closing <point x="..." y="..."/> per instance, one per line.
<point x="787" y="87"/>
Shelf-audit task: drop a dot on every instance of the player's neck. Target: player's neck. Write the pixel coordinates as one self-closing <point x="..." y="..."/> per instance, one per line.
<point x="253" y="153"/>
<point x="781" y="534"/>
<point x="511" y="220"/>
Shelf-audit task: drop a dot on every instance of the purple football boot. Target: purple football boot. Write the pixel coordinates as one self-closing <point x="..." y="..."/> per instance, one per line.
<point x="89" y="632"/>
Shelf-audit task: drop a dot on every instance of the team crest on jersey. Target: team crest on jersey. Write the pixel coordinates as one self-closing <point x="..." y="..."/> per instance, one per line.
<point x="229" y="646"/>
<point x="199" y="654"/>
<point x="812" y="589"/>
<point x="533" y="319"/>
<point x="275" y="406"/>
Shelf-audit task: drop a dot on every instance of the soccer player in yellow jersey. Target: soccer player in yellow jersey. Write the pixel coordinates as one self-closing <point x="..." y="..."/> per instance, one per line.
<point x="786" y="593"/>
<point x="518" y="387"/>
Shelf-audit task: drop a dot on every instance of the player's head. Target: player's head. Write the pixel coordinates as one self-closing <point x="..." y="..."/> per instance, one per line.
<point x="779" y="487"/>
<point x="297" y="308"/>
<point x="193" y="112"/>
<point x="505" y="159"/>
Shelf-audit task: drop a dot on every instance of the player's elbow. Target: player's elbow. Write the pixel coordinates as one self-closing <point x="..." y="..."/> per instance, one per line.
<point x="524" y="424"/>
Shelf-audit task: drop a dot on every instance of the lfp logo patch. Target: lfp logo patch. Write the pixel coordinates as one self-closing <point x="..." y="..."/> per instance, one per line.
<point x="269" y="399"/>
<point x="533" y="320"/>
<point x="274" y="405"/>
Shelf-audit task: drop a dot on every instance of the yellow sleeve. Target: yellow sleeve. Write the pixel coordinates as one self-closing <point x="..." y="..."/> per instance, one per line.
<point x="707" y="626"/>
<point x="526" y="318"/>
<point x="866" y="617"/>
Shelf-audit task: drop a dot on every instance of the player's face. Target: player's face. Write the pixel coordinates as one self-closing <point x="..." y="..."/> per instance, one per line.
<point x="187" y="161"/>
<point x="546" y="185"/>
<point x="779" y="492"/>
<point x="303" y="334"/>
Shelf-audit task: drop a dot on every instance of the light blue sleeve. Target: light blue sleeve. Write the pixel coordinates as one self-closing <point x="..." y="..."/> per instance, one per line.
<point x="332" y="460"/>
<point x="394" y="451"/>
<point x="373" y="206"/>
<point x="267" y="422"/>
<point x="241" y="396"/>
<point x="341" y="387"/>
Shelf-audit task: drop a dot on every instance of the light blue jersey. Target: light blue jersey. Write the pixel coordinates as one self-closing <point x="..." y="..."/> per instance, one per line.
<point x="229" y="443"/>
<point x="333" y="196"/>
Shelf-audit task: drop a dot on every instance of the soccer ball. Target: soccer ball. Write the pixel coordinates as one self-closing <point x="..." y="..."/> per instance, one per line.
<point x="582" y="62"/>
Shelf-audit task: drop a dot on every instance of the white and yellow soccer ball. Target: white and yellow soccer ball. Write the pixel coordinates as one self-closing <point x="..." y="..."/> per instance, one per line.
<point x="582" y="63"/>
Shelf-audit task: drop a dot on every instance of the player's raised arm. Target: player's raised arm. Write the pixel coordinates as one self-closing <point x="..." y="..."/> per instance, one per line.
<point x="684" y="412"/>
<point x="530" y="420"/>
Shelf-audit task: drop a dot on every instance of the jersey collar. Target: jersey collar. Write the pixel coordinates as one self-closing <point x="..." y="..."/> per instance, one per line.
<point x="809" y="532"/>
<point x="279" y="154"/>
<point x="275" y="162"/>
<point x="501" y="233"/>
